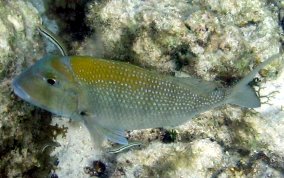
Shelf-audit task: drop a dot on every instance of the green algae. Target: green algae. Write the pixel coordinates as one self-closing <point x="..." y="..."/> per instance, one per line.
<point x="19" y="148"/>
<point x="24" y="130"/>
<point x="169" y="136"/>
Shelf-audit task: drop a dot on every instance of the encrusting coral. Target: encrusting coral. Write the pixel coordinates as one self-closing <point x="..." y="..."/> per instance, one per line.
<point x="24" y="129"/>
<point x="214" y="41"/>
<point x="209" y="39"/>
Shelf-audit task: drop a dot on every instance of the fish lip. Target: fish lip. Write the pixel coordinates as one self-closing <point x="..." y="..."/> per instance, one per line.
<point x="18" y="90"/>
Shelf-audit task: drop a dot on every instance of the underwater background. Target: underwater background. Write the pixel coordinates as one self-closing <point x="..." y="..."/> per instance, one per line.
<point x="209" y="39"/>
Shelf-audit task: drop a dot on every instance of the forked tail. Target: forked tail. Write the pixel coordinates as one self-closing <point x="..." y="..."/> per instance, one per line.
<point x="242" y="93"/>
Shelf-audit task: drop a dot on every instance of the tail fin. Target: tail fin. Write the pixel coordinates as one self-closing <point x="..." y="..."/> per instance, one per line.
<point x="244" y="95"/>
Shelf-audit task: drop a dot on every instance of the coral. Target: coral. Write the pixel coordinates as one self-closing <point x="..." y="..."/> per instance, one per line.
<point x="21" y="125"/>
<point x="97" y="169"/>
<point x="212" y="40"/>
<point x="198" y="159"/>
<point x="166" y="33"/>
<point x="68" y="14"/>
<point x="140" y="31"/>
<point x="17" y="31"/>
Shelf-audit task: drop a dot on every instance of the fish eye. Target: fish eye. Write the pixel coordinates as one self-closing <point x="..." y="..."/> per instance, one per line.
<point x="83" y="113"/>
<point x="51" y="81"/>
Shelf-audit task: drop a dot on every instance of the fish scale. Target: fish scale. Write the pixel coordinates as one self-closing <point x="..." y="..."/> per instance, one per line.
<point x="126" y="92"/>
<point x="111" y="97"/>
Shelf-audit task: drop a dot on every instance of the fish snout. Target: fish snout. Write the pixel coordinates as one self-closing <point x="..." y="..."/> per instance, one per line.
<point x="19" y="91"/>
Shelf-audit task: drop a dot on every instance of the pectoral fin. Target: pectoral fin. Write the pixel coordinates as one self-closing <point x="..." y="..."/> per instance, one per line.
<point x="99" y="133"/>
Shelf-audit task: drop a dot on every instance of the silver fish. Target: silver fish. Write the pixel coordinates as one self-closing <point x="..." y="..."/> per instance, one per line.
<point x="111" y="97"/>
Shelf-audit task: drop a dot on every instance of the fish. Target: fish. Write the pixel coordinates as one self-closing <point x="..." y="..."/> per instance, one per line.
<point x="124" y="147"/>
<point x="110" y="96"/>
<point x="56" y="40"/>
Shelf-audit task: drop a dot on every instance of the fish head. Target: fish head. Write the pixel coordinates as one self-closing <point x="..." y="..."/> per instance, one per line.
<point x="49" y="84"/>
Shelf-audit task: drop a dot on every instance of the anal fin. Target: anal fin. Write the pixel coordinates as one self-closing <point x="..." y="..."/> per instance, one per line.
<point x="99" y="133"/>
<point x="115" y="135"/>
<point x="97" y="137"/>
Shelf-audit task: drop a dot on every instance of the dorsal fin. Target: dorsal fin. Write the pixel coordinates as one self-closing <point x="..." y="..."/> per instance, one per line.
<point x="197" y="84"/>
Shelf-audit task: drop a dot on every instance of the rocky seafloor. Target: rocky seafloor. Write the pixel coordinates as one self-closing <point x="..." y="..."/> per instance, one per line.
<point x="211" y="40"/>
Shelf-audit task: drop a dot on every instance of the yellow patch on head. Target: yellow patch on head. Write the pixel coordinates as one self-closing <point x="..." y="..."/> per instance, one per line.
<point x="57" y="64"/>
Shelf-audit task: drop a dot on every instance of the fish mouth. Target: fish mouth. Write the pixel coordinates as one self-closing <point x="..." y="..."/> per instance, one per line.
<point x="20" y="92"/>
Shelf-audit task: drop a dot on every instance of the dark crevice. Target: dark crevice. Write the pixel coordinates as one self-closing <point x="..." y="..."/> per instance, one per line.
<point x="71" y="18"/>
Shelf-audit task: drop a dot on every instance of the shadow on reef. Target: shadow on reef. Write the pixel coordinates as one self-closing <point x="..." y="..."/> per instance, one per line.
<point x="71" y="18"/>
